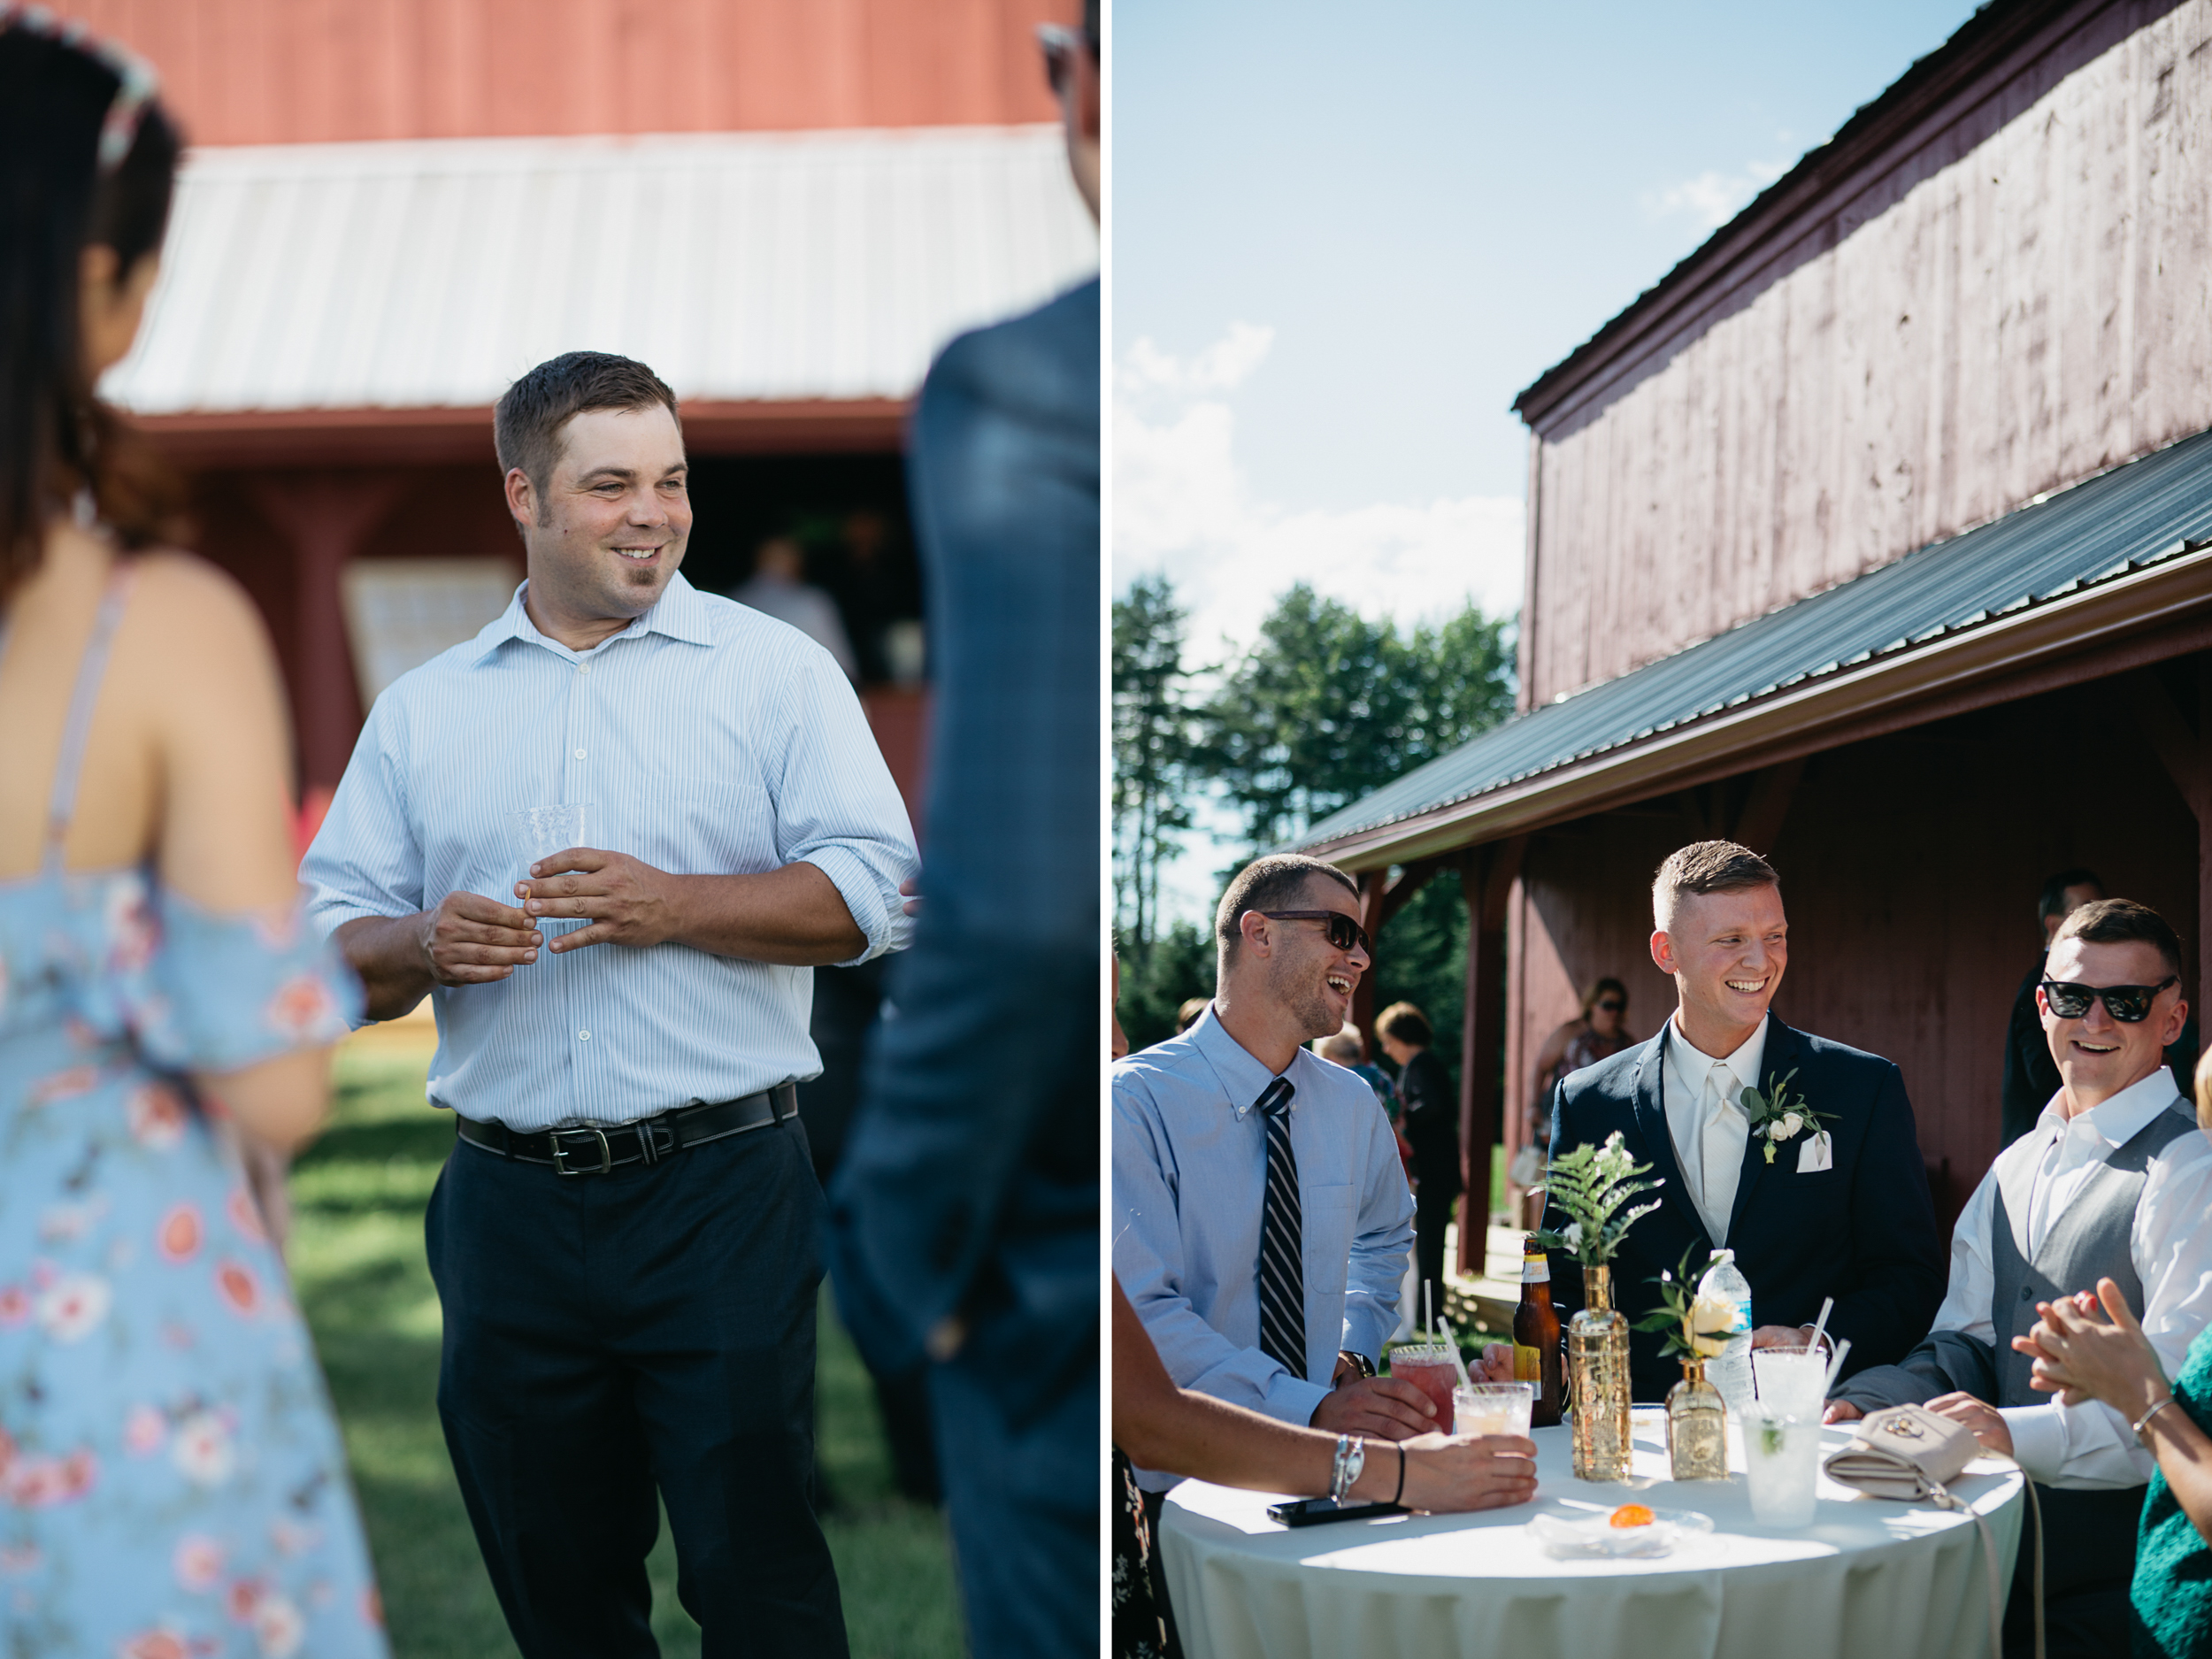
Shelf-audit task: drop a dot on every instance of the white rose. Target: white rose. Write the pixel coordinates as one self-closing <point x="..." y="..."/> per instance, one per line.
<point x="1790" y="1125"/>
<point x="1711" y="1324"/>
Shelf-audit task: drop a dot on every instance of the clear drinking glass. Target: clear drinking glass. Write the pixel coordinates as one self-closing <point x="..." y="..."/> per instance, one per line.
<point x="1492" y="1408"/>
<point x="538" y="832"/>
<point x="1788" y="1379"/>
<point x="1428" y="1367"/>
<point x="1782" y="1456"/>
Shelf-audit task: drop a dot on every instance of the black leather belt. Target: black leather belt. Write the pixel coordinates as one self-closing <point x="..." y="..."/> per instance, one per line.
<point x="592" y="1151"/>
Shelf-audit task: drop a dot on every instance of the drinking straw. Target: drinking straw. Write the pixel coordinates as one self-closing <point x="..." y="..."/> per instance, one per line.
<point x="1835" y="1364"/>
<point x="1460" y="1364"/>
<point x="1827" y="1304"/>
<point x="1428" y="1308"/>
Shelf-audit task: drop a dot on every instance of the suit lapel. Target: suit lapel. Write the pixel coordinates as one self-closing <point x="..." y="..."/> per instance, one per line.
<point x="1651" y="1123"/>
<point x="1779" y="1059"/>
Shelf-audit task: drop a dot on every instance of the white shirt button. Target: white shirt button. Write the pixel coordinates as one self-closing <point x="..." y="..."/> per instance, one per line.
<point x="580" y="754"/>
<point x="583" y="668"/>
<point x="583" y="1036"/>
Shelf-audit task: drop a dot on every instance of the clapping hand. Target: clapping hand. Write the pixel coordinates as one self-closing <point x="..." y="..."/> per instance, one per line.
<point x="2080" y="1356"/>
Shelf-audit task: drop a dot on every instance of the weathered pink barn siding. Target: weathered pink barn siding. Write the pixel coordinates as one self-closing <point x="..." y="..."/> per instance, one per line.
<point x="2008" y="293"/>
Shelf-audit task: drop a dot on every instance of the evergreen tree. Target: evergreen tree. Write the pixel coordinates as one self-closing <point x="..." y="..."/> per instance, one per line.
<point x="1152" y="738"/>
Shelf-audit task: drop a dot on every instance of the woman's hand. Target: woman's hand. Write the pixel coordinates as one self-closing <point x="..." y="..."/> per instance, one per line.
<point x="2079" y="1357"/>
<point x="1447" y="1474"/>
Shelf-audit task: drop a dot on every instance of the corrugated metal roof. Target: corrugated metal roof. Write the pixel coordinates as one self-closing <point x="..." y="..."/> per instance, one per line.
<point x="741" y="266"/>
<point x="2138" y="514"/>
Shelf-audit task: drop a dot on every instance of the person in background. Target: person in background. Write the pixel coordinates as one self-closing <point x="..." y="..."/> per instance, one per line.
<point x="167" y="1440"/>
<point x="1161" y="1426"/>
<point x="2081" y="1357"/>
<point x="1346" y="1049"/>
<point x="778" y="588"/>
<point x="1429" y="1119"/>
<point x="1186" y="1015"/>
<point x="2113" y="1184"/>
<point x="2030" y="1078"/>
<point x="1598" y="1032"/>
<point x="964" y="1220"/>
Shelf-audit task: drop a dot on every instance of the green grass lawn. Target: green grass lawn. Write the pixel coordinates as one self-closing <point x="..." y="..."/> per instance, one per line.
<point x="357" y="1256"/>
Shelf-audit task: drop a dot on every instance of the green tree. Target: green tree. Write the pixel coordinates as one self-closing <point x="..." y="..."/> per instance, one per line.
<point x="1153" y="744"/>
<point x="1328" y="707"/>
<point x="1157" y="979"/>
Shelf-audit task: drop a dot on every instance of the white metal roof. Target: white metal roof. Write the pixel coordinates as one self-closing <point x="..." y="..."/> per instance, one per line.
<point x="740" y="267"/>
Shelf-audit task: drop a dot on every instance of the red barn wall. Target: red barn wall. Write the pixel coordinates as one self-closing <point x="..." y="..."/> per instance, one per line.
<point x="2015" y="295"/>
<point x="289" y="72"/>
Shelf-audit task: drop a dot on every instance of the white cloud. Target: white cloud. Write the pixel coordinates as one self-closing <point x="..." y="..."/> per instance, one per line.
<point x="1713" y="197"/>
<point x="1183" y="506"/>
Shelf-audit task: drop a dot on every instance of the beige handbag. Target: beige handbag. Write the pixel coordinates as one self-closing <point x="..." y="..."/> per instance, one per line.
<point x="1909" y="1454"/>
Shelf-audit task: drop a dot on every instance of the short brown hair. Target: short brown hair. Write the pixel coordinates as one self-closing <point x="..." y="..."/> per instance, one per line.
<point x="527" y="425"/>
<point x="1402" y="1022"/>
<point x="1706" y="867"/>
<point x="2123" y="922"/>
<point x="1265" y="883"/>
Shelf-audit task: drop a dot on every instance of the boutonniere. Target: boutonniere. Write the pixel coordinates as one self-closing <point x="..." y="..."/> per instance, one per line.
<point x="1778" y="1116"/>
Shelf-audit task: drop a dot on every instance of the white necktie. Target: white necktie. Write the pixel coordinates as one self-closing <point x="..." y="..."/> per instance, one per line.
<point x="1716" y="1166"/>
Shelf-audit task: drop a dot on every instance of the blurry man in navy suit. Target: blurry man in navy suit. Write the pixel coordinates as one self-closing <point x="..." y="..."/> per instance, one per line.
<point x="966" y="1216"/>
<point x="1841" y="1210"/>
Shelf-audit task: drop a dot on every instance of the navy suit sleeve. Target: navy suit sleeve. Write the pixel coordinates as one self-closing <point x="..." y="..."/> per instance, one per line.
<point x="1898" y="1279"/>
<point x="970" y="1179"/>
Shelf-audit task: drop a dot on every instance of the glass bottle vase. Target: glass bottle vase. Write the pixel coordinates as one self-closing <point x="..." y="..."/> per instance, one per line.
<point x="1597" y="1363"/>
<point x="1697" y="1426"/>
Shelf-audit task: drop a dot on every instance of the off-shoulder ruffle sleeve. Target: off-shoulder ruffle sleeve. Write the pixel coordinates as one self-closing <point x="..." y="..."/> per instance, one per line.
<point x="206" y="991"/>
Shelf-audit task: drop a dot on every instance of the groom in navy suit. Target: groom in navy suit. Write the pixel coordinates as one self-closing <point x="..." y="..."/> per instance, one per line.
<point x="1842" y="1211"/>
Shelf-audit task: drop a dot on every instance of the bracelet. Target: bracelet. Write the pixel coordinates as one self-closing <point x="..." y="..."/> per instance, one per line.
<point x="1351" y="1457"/>
<point x="1400" y="1493"/>
<point x="2138" y="1425"/>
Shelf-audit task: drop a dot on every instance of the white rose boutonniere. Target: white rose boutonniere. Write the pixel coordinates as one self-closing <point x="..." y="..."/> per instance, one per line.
<point x="1776" y="1116"/>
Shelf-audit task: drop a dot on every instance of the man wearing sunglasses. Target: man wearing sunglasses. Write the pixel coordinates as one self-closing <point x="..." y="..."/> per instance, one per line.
<point x="1261" y="1218"/>
<point x="2114" y="1179"/>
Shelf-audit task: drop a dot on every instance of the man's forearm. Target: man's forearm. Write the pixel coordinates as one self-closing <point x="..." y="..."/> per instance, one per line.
<point x="794" y="916"/>
<point x="387" y="952"/>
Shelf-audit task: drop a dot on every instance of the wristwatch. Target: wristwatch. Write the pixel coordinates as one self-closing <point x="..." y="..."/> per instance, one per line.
<point x="1361" y="1363"/>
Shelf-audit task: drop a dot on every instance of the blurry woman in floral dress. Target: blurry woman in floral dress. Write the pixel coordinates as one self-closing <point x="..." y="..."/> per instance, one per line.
<point x="171" y="1477"/>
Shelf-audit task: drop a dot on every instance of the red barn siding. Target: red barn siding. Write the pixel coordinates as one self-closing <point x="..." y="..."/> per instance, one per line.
<point x="2017" y="298"/>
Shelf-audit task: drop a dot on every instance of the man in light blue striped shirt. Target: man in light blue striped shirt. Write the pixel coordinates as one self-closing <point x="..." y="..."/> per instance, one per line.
<point x="625" y="1240"/>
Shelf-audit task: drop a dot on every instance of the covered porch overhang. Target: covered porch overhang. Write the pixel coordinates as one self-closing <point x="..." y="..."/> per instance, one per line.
<point x="2089" y="588"/>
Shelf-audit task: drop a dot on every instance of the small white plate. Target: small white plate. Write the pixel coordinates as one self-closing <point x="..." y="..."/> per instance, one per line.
<point x="1595" y="1535"/>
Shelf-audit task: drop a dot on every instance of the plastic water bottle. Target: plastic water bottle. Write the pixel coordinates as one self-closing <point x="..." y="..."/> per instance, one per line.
<point x="1730" y="1373"/>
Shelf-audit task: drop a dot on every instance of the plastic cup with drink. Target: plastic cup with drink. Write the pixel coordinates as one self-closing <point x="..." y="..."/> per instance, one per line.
<point x="1790" y="1380"/>
<point x="1492" y="1408"/>
<point x="1782" y="1459"/>
<point x="1432" y="1367"/>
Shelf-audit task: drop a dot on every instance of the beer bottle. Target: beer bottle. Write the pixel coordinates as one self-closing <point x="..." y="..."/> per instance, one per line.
<point x="1536" y="1356"/>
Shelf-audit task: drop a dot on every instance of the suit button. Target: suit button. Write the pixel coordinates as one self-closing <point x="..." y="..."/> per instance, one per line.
<point x="2026" y="1295"/>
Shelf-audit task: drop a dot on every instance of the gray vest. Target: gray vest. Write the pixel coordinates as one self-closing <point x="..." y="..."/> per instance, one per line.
<point x="2088" y="1242"/>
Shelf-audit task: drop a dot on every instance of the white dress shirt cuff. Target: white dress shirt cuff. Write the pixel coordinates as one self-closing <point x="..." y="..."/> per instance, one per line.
<point x="1293" y="1400"/>
<point x="863" y="897"/>
<point x="2038" y="1439"/>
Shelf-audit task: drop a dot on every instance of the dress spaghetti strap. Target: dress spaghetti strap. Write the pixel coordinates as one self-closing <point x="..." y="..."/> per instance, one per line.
<point x="91" y="670"/>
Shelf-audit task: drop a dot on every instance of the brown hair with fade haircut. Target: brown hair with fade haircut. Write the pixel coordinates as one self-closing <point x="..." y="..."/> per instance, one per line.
<point x="1705" y="867"/>
<point x="527" y="425"/>
<point x="2123" y="922"/>
<point x="1268" y="884"/>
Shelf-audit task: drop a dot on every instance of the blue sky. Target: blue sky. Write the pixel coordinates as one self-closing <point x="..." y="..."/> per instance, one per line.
<point x="1344" y="237"/>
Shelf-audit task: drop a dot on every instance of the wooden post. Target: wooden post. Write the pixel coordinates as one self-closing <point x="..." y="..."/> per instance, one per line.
<point x="1486" y="878"/>
<point x="1772" y="790"/>
<point x="2183" y="753"/>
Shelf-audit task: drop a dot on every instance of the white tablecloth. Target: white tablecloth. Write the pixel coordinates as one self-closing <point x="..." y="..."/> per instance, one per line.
<point x="1869" y="1580"/>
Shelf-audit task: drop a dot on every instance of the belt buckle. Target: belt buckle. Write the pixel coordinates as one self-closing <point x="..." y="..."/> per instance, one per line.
<point x="606" y="1153"/>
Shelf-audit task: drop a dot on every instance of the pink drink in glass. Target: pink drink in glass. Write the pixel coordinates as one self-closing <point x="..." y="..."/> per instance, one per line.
<point x="1430" y="1369"/>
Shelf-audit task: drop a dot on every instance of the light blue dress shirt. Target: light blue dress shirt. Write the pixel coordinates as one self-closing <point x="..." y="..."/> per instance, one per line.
<point x="1190" y="1176"/>
<point x="705" y="739"/>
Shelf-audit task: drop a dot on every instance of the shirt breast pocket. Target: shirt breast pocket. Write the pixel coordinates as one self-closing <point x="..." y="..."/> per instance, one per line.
<point x="1327" y="1214"/>
<point x="720" y="827"/>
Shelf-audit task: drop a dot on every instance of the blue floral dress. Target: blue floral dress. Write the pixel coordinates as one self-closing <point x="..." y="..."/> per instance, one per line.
<point x="171" y="1482"/>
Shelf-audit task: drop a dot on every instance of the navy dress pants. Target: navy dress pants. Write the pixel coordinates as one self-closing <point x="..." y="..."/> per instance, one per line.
<point x="608" y="1334"/>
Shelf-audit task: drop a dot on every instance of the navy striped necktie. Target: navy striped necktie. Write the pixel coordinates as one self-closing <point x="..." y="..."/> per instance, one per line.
<point x="1282" y="1273"/>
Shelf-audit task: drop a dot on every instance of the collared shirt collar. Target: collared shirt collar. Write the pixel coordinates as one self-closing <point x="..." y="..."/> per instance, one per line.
<point x="1688" y="1065"/>
<point x="1242" y="1078"/>
<point x="678" y="613"/>
<point x="2120" y="1119"/>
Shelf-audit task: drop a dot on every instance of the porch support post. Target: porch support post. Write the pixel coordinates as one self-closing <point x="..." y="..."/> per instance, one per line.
<point x="2183" y="752"/>
<point x="1486" y="878"/>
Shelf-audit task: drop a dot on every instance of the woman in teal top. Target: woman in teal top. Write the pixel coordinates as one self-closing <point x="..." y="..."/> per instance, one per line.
<point x="2081" y="1357"/>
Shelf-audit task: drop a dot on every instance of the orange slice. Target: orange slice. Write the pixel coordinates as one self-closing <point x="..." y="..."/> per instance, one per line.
<point x="1633" y="1515"/>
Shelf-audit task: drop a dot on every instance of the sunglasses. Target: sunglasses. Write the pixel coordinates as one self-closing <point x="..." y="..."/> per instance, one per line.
<point x="1060" y="46"/>
<point x="1609" y="1006"/>
<point x="2129" y="1004"/>
<point x="136" y="83"/>
<point x="1344" y="933"/>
